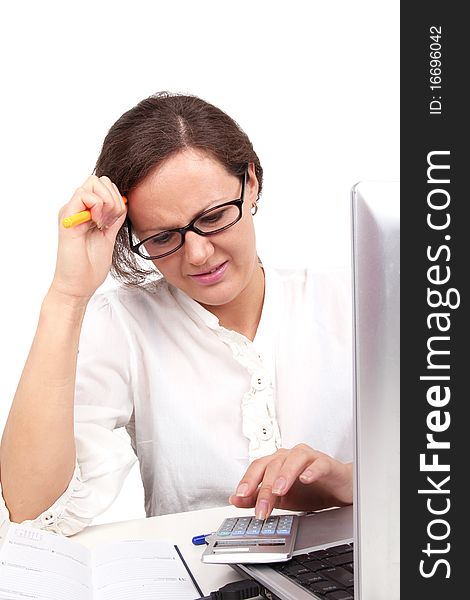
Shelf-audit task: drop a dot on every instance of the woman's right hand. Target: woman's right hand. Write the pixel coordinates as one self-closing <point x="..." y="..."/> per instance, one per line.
<point x="85" y="251"/>
<point x="298" y="478"/>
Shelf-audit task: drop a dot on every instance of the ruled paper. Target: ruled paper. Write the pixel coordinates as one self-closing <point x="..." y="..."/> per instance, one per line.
<point x="38" y="565"/>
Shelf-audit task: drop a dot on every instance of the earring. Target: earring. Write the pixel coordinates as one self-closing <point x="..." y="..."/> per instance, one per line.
<point x="254" y="208"/>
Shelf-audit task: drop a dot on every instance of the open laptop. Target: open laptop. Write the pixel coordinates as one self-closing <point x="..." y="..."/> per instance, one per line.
<point x="353" y="552"/>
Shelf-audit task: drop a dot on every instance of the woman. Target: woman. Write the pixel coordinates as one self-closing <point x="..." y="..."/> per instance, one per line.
<point x="213" y="362"/>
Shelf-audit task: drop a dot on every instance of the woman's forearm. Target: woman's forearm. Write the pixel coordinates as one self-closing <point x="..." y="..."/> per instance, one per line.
<point x="37" y="453"/>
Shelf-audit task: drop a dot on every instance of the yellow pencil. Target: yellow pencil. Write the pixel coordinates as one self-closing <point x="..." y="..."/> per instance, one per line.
<point x="80" y="217"/>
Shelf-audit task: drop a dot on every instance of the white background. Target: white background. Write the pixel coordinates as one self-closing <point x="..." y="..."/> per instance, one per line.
<point x="314" y="84"/>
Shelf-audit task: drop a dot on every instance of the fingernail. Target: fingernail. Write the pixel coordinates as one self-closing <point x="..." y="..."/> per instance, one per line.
<point x="109" y="222"/>
<point x="242" y="490"/>
<point x="279" y="485"/>
<point x="262" y="509"/>
<point x="306" y="475"/>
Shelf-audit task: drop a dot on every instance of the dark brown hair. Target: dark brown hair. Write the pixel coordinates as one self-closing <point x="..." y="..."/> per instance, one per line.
<point x="148" y="134"/>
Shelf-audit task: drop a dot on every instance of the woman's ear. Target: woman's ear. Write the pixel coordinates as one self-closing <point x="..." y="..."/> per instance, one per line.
<point x="252" y="184"/>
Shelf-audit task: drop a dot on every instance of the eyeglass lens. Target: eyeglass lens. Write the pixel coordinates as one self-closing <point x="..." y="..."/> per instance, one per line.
<point x="210" y="222"/>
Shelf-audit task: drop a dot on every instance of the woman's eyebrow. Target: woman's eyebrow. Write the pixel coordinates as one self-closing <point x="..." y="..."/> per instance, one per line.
<point x="157" y="230"/>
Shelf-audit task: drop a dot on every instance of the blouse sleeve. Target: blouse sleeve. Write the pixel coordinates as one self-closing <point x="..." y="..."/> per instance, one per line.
<point x="103" y="403"/>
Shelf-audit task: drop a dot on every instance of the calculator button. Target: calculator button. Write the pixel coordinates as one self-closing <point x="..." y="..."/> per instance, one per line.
<point x="229" y="522"/>
<point x="226" y="527"/>
<point x="285" y="525"/>
<point x="286" y="519"/>
<point x="240" y="526"/>
<point x="254" y="527"/>
<point x="269" y="527"/>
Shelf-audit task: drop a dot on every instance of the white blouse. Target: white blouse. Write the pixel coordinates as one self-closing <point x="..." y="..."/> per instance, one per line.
<point x="200" y="401"/>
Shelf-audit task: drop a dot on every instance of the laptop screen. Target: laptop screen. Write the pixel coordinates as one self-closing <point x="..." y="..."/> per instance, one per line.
<point x="376" y="292"/>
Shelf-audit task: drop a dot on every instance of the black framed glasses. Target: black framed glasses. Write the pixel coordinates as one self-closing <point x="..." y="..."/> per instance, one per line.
<point x="211" y="221"/>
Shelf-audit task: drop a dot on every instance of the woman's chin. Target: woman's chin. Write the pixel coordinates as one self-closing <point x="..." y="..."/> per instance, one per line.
<point x="212" y="298"/>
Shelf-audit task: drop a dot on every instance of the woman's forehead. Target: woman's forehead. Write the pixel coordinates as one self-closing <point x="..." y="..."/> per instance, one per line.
<point x="183" y="186"/>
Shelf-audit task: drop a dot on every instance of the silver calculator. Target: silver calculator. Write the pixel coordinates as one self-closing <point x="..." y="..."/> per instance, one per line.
<point x="251" y="540"/>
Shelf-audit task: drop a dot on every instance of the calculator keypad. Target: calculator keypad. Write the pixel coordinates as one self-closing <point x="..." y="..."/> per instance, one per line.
<point x="248" y="539"/>
<point x="250" y="526"/>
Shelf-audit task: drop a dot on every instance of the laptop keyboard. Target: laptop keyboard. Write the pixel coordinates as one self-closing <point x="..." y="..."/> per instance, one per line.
<point x="327" y="573"/>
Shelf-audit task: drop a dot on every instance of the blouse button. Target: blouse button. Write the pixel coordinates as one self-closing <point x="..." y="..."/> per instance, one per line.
<point x="265" y="432"/>
<point x="258" y="382"/>
<point x="48" y="518"/>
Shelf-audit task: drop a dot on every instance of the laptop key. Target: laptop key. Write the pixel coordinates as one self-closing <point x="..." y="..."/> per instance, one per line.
<point x="308" y="578"/>
<point x="295" y="570"/>
<point x="341" y="559"/>
<point x="323" y="587"/>
<point x="321" y="554"/>
<point x="313" y="564"/>
<point x="343" y="548"/>
<point x="340" y="595"/>
<point x="302" y="557"/>
<point x="339" y="574"/>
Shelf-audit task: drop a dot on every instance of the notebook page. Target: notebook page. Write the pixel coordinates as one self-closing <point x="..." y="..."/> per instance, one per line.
<point x="140" y="570"/>
<point x="37" y="565"/>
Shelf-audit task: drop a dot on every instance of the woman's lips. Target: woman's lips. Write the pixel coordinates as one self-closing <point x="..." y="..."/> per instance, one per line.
<point x="214" y="275"/>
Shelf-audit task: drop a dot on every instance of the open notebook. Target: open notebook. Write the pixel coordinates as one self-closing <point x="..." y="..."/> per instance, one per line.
<point x="35" y="565"/>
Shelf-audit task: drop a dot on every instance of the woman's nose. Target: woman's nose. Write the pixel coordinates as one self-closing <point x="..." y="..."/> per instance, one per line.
<point x="198" y="248"/>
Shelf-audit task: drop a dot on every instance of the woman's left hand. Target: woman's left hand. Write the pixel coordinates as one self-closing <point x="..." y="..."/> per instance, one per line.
<point x="300" y="478"/>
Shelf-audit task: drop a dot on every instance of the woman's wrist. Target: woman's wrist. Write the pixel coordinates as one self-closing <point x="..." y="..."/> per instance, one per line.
<point x="69" y="305"/>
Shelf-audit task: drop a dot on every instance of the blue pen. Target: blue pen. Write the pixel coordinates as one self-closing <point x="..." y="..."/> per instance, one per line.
<point x="198" y="540"/>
